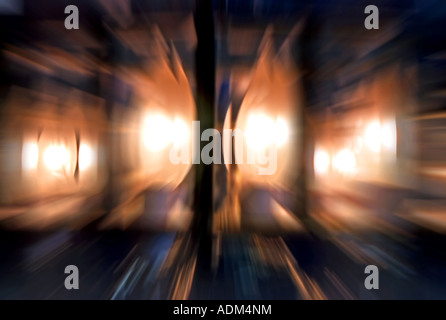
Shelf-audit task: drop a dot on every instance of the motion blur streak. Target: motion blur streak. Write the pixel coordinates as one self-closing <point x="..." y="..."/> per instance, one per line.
<point x="354" y="119"/>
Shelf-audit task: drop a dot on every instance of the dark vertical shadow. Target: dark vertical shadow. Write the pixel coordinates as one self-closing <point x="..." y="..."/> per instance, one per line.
<point x="303" y="52"/>
<point x="205" y="82"/>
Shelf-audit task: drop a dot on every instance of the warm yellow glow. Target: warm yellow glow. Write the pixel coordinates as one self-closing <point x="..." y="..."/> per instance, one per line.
<point x="262" y="131"/>
<point x="86" y="156"/>
<point x="357" y="144"/>
<point x="30" y="155"/>
<point x="55" y="157"/>
<point x="321" y="161"/>
<point x="345" y="161"/>
<point x="157" y="132"/>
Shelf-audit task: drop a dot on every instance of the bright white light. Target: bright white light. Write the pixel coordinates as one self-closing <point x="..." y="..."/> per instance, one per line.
<point x="321" y="161"/>
<point x="262" y="131"/>
<point x="30" y="155"/>
<point x="55" y="157"/>
<point x="157" y="132"/>
<point x="373" y="136"/>
<point x="345" y="161"/>
<point x="86" y="156"/>
<point x="282" y="132"/>
<point x="379" y="136"/>
<point x="180" y="133"/>
<point x="388" y="136"/>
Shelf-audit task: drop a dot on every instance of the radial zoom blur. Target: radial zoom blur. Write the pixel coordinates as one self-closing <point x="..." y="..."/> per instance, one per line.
<point x="230" y="149"/>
